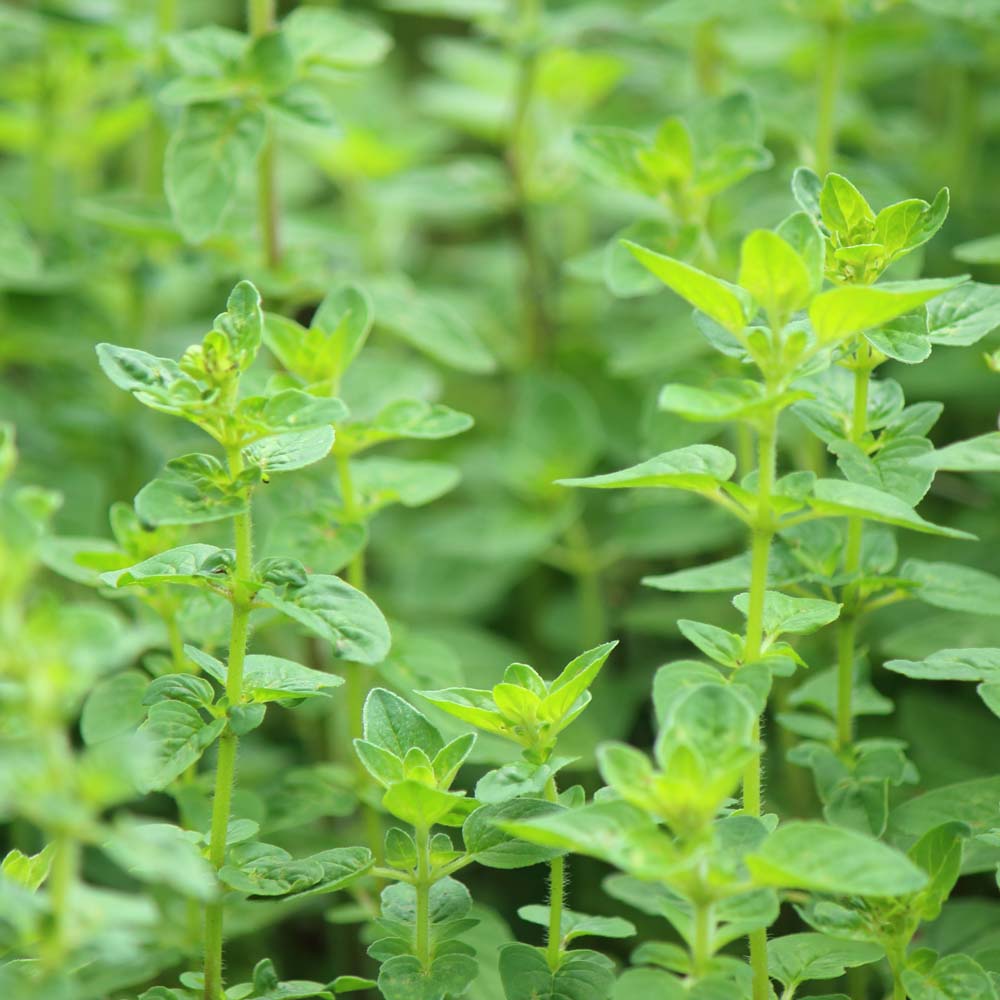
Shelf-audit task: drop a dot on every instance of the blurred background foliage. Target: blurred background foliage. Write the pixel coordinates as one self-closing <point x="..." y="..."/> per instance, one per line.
<point x="442" y="154"/>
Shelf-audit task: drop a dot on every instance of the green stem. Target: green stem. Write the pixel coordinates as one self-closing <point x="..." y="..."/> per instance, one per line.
<point x="156" y="138"/>
<point x="831" y="70"/>
<point x="355" y="675"/>
<point x="706" y="57"/>
<point x="261" y="21"/>
<point x="225" y="768"/>
<point x="762" y="536"/>
<point x="848" y="624"/>
<point x="175" y="639"/>
<point x="535" y="291"/>
<point x="422" y="885"/>
<point x="557" y="894"/>
<point x="701" y="946"/>
<point x="62" y="877"/>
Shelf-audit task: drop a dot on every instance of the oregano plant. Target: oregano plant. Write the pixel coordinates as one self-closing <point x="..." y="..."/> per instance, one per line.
<point x="550" y="343"/>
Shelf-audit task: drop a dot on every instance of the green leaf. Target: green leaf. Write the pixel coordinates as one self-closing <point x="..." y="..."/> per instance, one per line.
<point x="195" y="489"/>
<point x="213" y="148"/>
<point x="775" y="275"/>
<point x="285" y="452"/>
<point x="838" y="498"/>
<point x="395" y="725"/>
<point x="326" y="39"/>
<point x="178" y="736"/>
<point x="799" y="958"/>
<point x="575" y="678"/>
<point x="381" y="481"/>
<point x="163" y="854"/>
<point x="954" y="977"/>
<point x="728" y="399"/>
<point x="939" y="853"/>
<point x="337" y="612"/>
<point x="798" y="615"/>
<point x="698" y="467"/>
<point x="972" y="803"/>
<point x="949" y="585"/>
<point x="574" y="925"/>
<point x="432" y="325"/>
<point x="420" y="805"/>
<point x="821" y="858"/>
<point x="952" y="665"/>
<point x="28" y="870"/>
<point x="723" y="302"/>
<point x="978" y="454"/>
<point x="495" y="848"/>
<point x="845" y="211"/>
<point x="611" y="155"/>
<point x="840" y="313"/>
<point x="402" y="420"/>
<point x="335" y="336"/>
<point x="113" y="707"/>
<point x="265" y="870"/>
<point x="909" y="224"/>
<point x="137" y="371"/>
<point x="404" y="978"/>
<point x="581" y="975"/>
<point x="195" y="565"/>
<point x="964" y="315"/>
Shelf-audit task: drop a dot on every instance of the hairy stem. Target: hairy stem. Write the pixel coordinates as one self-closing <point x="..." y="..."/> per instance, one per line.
<point x="557" y="894"/>
<point x="423" y="888"/>
<point x="762" y="536"/>
<point x="261" y="21"/>
<point x="830" y="73"/>
<point x="225" y="768"/>
<point x="848" y="624"/>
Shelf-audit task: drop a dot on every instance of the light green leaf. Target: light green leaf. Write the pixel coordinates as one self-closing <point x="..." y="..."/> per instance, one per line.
<point x="396" y="726"/>
<point x="404" y="978"/>
<point x="845" y="211"/>
<point x="840" y="313"/>
<point x="495" y="848"/>
<point x="838" y="498"/>
<point x="978" y="454"/>
<point x="321" y="38"/>
<point x="113" y="707"/>
<point x="163" y="854"/>
<point x="964" y="315"/>
<point x="725" y="303"/>
<point x="214" y="147"/>
<point x="949" y="585"/>
<point x="699" y="468"/>
<point x="284" y="452"/>
<point x="821" y="858"/>
<point x="798" y="615"/>
<point x="574" y="925"/>
<point x="775" y="275"/>
<point x="953" y="977"/>
<point x="799" y="958"/>
<point x="909" y="224"/>
<point x="420" y="805"/>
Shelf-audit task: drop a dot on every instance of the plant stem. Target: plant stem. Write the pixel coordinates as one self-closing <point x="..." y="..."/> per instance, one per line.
<point x="62" y="877"/>
<point x="557" y="894"/>
<point x="423" y="889"/>
<point x="706" y="57"/>
<point x="701" y="946"/>
<point x="831" y="70"/>
<point x="762" y="535"/>
<point x="535" y="291"/>
<point x="225" y="768"/>
<point x="156" y="138"/>
<point x="355" y="675"/>
<point x="261" y="21"/>
<point x="848" y="624"/>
